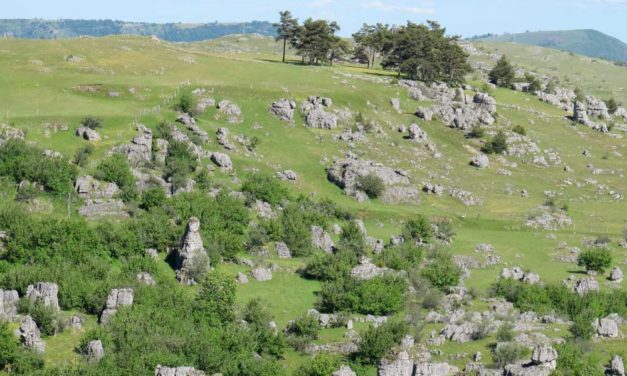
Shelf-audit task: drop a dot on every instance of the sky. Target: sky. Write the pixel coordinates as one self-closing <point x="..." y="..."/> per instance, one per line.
<point x="460" y="17"/>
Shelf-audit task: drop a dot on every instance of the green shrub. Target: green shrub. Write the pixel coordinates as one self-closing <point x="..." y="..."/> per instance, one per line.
<point x="596" y="259"/>
<point x="582" y="325"/>
<point x="505" y="333"/>
<point x="573" y="361"/>
<point x="179" y="163"/>
<point x="21" y="161"/>
<point x="215" y="301"/>
<point x="519" y="129"/>
<point x="579" y="95"/>
<point x="442" y="272"/>
<point x="296" y="229"/>
<point x="115" y="169"/>
<point x="376" y="342"/>
<point x="14" y="357"/>
<point x="82" y="155"/>
<point x="405" y="256"/>
<point x="418" y="230"/>
<point x="329" y="267"/>
<point x="352" y="238"/>
<point x="372" y="185"/>
<point x="378" y="296"/>
<point x="503" y="73"/>
<point x="91" y="122"/>
<point x="319" y="365"/>
<point x="497" y="145"/>
<point x="305" y="326"/>
<point x="508" y="353"/>
<point x="47" y="319"/>
<point x="476" y="132"/>
<point x="612" y="106"/>
<point x="153" y="198"/>
<point x="265" y="187"/>
<point x="534" y="83"/>
<point x="186" y="103"/>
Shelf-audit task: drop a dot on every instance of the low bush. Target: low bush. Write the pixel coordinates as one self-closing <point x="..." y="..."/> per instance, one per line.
<point x="372" y="185"/>
<point x="595" y="259"/>
<point x="376" y="342"/>
<point x="442" y="272"/>
<point x="91" y="122"/>
<point x="264" y="187"/>
<point x="497" y="145"/>
<point x="115" y="169"/>
<point x="508" y="353"/>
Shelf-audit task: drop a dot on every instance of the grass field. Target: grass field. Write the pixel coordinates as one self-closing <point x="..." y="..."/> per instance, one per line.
<point x="38" y="85"/>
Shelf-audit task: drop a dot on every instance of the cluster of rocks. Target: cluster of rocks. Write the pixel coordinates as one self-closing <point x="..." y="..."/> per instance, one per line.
<point x="30" y="336"/>
<point x="367" y="270"/>
<point x="543" y="363"/>
<point x="320" y="239"/>
<point x="283" y="109"/>
<point x="117" y="298"/>
<point x="466" y="197"/>
<point x="561" y="98"/>
<point x="347" y="173"/>
<point x="287" y="175"/>
<point x="402" y="364"/>
<point x="191" y="257"/>
<point x="9" y="133"/>
<point x="8" y="304"/>
<point x="177" y="371"/>
<point x="457" y="110"/>
<point x="88" y="134"/>
<point x="140" y="149"/>
<point x="222" y="135"/>
<point x="44" y="293"/>
<point x="190" y="123"/>
<point x="99" y="198"/>
<point x="591" y="107"/>
<point x="316" y="115"/>
<point x="230" y="109"/>
<point x="548" y="219"/>
<point x="418" y="135"/>
<point x="518" y="274"/>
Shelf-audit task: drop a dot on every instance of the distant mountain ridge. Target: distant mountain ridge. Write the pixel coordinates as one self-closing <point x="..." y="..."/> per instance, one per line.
<point x="584" y="42"/>
<point x="173" y="32"/>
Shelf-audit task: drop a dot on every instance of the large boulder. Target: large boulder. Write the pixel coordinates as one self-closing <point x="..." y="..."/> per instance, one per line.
<point x="140" y="148"/>
<point x="585" y="286"/>
<point x="417" y="134"/>
<point x="191" y="257"/>
<point x="282" y="250"/>
<point x="480" y="160"/>
<point x="321" y="239"/>
<point x="367" y="270"/>
<point x="485" y="101"/>
<point x="606" y="327"/>
<point x="597" y="108"/>
<point x="283" y="109"/>
<point x="401" y="365"/>
<point x="616" y="275"/>
<point x="222" y="160"/>
<point x="316" y="115"/>
<point x="435" y="369"/>
<point x="45" y="293"/>
<point x="177" y="371"/>
<point x="346" y="173"/>
<point x="8" y="304"/>
<point x="94" y="351"/>
<point x="87" y="134"/>
<point x="617" y="366"/>
<point x="261" y="273"/>
<point x="544" y="355"/>
<point x="30" y="336"/>
<point x="460" y="333"/>
<point x="117" y="298"/>
<point x="344" y="371"/>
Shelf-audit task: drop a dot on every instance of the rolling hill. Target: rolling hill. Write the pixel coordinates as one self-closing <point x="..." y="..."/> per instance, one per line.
<point x="584" y="42"/>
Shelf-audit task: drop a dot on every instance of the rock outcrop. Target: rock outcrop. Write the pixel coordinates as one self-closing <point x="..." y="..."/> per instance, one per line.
<point x="401" y="365"/>
<point x="606" y="327"/>
<point x="94" y="351"/>
<point x="117" y="298"/>
<point x="283" y="109"/>
<point x="316" y="115"/>
<point x="140" y="148"/>
<point x="8" y="304"/>
<point x="45" y="293"/>
<point x="30" y="336"/>
<point x="616" y="275"/>
<point x="321" y="239"/>
<point x="282" y="250"/>
<point x="191" y="257"/>
<point x="543" y="363"/>
<point x="88" y="134"/>
<point x="617" y="366"/>
<point x="177" y="371"/>
<point x="222" y="160"/>
<point x="99" y="198"/>
<point x="261" y="273"/>
<point x="480" y="160"/>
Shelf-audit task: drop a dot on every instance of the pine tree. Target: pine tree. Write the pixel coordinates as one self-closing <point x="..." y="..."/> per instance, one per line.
<point x="503" y="73"/>
<point x="286" y="28"/>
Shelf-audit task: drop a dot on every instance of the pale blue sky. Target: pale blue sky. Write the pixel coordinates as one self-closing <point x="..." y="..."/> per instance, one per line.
<point x="464" y="17"/>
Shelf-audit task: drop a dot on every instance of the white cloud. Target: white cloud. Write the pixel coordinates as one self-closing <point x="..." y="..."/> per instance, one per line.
<point x="394" y="6"/>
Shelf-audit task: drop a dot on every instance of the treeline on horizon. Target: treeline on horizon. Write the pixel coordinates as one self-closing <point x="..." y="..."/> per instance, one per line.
<point x="418" y="51"/>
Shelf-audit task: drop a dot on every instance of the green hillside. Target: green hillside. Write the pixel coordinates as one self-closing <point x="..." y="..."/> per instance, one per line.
<point x="47" y="87"/>
<point x="584" y="42"/>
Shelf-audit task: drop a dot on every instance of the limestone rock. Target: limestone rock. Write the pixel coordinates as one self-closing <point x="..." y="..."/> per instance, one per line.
<point x="400" y="366"/>
<point x="146" y="279"/>
<point x="140" y="148"/>
<point x="44" y="292"/>
<point x="617" y="366"/>
<point x="287" y="175"/>
<point x="480" y="160"/>
<point x="8" y="303"/>
<point x="94" y="351"/>
<point x="544" y="355"/>
<point x="283" y="109"/>
<point x="434" y="369"/>
<point x="88" y="134"/>
<point x="616" y="275"/>
<point x="231" y="109"/>
<point x="222" y="160"/>
<point x="191" y="258"/>
<point x="586" y="285"/>
<point x="417" y="134"/>
<point x="282" y="250"/>
<point x="320" y="239"/>
<point x="75" y="322"/>
<point x="460" y="333"/>
<point x="30" y="336"/>
<point x="316" y="115"/>
<point x="241" y="278"/>
<point x="261" y="273"/>
<point x="117" y="298"/>
<point x="190" y="123"/>
<point x="606" y="327"/>
<point x="344" y="371"/>
<point x="367" y="270"/>
<point x="204" y="103"/>
<point x="177" y="371"/>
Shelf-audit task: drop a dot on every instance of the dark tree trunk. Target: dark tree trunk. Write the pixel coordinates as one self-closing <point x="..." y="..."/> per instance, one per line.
<point x="284" y="46"/>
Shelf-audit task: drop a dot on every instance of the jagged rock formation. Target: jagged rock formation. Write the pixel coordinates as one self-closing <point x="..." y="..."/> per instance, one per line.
<point x="99" y="198"/>
<point x="519" y="274"/>
<point x="44" y="292"/>
<point x="543" y="363"/>
<point x="191" y="258"/>
<point x="190" y="123"/>
<point x="367" y="270"/>
<point x="320" y="239"/>
<point x="94" y="351"/>
<point x="140" y="148"/>
<point x="230" y="109"/>
<point x="177" y="371"/>
<point x="117" y="298"/>
<point x="402" y="365"/>
<point x="316" y="116"/>
<point x="282" y="250"/>
<point x="617" y="366"/>
<point x="8" y="304"/>
<point x="346" y="173"/>
<point x="283" y="109"/>
<point x="606" y="327"/>
<point x="30" y="336"/>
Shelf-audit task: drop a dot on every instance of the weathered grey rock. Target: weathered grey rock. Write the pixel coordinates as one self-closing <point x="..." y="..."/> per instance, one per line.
<point x="531" y="278"/>
<point x="88" y="134"/>
<point x="283" y="109"/>
<point x="204" y="103"/>
<point x="282" y="250"/>
<point x="435" y="369"/>
<point x="261" y="273"/>
<point x="75" y="322"/>
<point x="417" y="134"/>
<point x="344" y="371"/>
<point x="485" y="101"/>
<point x="9" y="133"/>
<point x="480" y="160"/>
<point x="346" y="174"/>
<point x="460" y="333"/>
<point x="436" y="189"/>
<point x="177" y="371"/>
<point x="316" y="115"/>
<point x="617" y="366"/>
<point x="320" y="239"/>
<point x="606" y="327"/>
<point x="94" y="351"/>
<point x="396" y="104"/>
<point x="241" y="278"/>
<point x="400" y="366"/>
<point x="367" y="270"/>
<point x="190" y="123"/>
<point x="264" y="210"/>
<point x="88" y="187"/>
<point x="287" y="175"/>
<point x="30" y="336"/>
<point x="229" y="108"/>
<point x="117" y="298"/>
<point x="616" y="275"/>
<point x="544" y="355"/>
<point x="140" y="148"/>
<point x="146" y="279"/>
<point x="8" y="303"/>
<point x="586" y="285"/>
<point x="597" y="108"/>
<point x="191" y="258"/>
<point x="161" y="150"/>
<point x="376" y="245"/>
<point x="45" y="293"/>
<point x="222" y="160"/>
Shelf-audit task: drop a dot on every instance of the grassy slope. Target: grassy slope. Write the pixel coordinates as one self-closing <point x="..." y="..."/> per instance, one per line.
<point x="585" y="42"/>
<point x="38" y="85"/>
